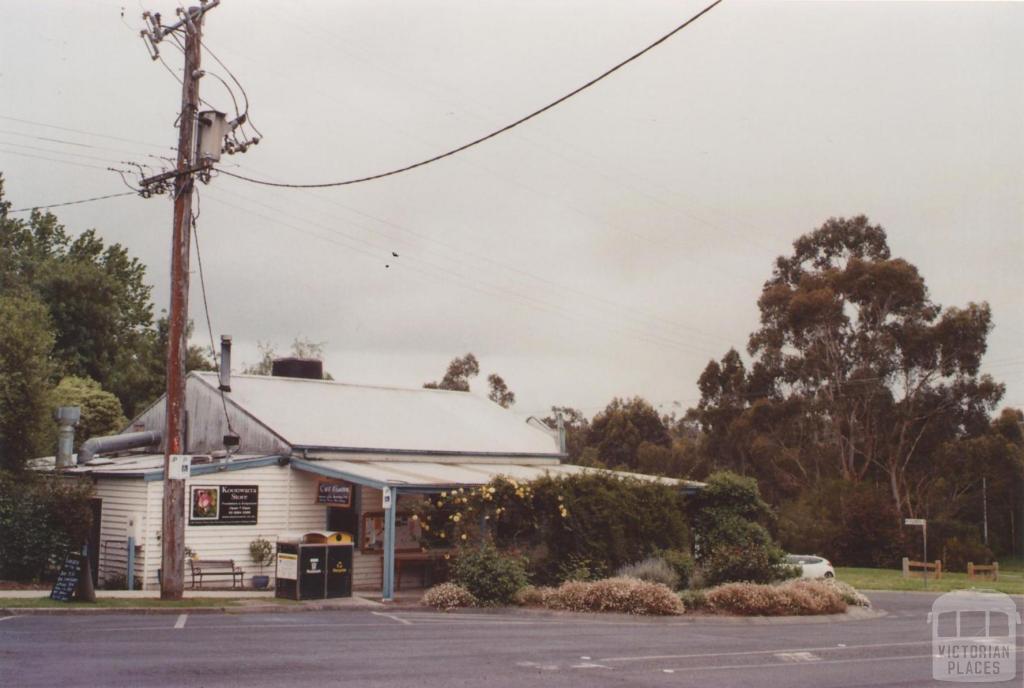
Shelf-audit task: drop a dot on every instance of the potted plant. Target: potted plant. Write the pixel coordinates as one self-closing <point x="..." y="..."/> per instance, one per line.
<point x="262" y="554"/>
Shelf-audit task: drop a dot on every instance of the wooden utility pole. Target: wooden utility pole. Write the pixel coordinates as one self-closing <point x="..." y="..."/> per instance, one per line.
<point x="172" y="561"/>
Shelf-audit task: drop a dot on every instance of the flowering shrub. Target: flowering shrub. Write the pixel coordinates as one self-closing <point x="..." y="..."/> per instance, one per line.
<point x="653" y="569"/>
<point x="448" y="596"/>
<point x="490" y="576"/>
<point x="850" y="594"/>
<point x="628" y="595"/>
<point x="798" y="597"/>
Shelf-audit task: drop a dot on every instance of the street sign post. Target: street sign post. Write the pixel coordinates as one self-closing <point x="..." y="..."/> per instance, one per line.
<point x="923" y="523"/>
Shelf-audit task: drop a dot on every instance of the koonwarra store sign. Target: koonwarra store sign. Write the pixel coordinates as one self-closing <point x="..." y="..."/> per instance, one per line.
<point x="223" y="505"/>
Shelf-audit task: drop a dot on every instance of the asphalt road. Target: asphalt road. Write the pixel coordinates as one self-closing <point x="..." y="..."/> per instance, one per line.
<point x="422" y="649"/>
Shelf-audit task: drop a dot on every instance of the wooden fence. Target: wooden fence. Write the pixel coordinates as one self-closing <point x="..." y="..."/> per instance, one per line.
<point x="916" y="569"/>
<point x="982" y="571"/>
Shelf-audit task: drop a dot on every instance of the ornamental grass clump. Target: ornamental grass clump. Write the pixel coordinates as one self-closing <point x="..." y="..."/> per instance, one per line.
<point x="793" y="598"/>
<point x="448" y="596"/>
<point x="652" y="569"/>
<point x="625" y="595"/>
<point x="850" y="594"/>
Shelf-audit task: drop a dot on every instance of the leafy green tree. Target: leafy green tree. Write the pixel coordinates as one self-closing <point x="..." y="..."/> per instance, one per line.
<point x="618" y="431"/>
<point x="500" y="394"/>
<point x="101" y="410"/>
<point x="98" y="303"/>
<point x="858" y="375"/>
<point x="26" y="342"/>
<point x="459" y="372"/>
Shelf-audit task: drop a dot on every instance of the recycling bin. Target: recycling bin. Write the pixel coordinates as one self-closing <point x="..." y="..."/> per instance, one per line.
<point x="314" y="566"/>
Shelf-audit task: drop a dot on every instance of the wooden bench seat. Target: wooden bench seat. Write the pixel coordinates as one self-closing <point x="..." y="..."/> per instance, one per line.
<point x="201" y="568"/>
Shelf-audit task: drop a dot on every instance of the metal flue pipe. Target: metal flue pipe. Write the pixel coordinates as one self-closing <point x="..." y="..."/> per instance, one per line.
<point x="115" y="443"/>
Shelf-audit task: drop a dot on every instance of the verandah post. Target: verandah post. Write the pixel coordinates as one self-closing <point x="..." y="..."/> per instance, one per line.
<point x="390" y="498"/>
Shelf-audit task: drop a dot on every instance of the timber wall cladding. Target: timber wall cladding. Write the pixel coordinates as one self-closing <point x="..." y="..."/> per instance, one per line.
<point x="287" y="505"/>
<point x="121" y="499"/>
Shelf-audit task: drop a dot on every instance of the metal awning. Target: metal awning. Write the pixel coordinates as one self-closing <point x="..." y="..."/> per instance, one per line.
<point x="425" y="476"/>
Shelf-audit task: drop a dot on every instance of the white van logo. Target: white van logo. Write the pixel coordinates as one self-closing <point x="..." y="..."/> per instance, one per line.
<point x="974" y="637"/>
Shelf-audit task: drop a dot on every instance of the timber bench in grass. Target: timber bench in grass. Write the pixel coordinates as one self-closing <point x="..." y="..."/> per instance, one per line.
<point x="215" y="567"/>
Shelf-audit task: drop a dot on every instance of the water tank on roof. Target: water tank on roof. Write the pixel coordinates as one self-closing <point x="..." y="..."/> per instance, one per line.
<point x="306" y="368"/>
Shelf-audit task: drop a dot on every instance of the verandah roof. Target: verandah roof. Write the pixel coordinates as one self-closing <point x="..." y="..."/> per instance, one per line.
<point x="422" y="476"/>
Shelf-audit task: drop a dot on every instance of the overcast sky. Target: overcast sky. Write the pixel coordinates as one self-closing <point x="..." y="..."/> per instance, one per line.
<point x="610" y="247"/>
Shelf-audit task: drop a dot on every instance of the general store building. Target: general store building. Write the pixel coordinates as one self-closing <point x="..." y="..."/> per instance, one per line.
<point x="311" y="455"/>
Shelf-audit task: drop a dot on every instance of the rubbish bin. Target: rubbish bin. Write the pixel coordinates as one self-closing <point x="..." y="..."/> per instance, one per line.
<point x="314" y="566"/>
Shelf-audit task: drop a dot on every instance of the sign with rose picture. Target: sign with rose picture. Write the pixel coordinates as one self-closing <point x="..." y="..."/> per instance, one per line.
<point x="223" y="505"/>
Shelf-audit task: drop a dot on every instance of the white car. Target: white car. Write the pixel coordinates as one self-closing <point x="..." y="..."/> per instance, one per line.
<point x="811" y="566"/>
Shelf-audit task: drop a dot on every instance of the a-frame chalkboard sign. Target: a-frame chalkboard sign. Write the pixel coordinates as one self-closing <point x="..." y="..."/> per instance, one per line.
<point x="69" y="577"/>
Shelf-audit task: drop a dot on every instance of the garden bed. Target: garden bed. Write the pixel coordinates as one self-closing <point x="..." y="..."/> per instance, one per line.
<point x="633" y="596"/>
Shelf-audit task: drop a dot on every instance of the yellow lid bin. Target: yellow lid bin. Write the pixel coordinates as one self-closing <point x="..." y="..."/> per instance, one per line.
<point x="314" y="565"/>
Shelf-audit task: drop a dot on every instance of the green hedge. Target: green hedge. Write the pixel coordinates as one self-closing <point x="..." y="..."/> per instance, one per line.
<point x="576" y="527"/>
<point x="41" y="518"/>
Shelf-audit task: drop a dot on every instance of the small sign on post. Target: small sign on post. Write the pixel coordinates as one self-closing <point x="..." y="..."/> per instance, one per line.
<point x="923" y="523"/>
<point x="179" y="467"/>
<point x="386" y="498"/>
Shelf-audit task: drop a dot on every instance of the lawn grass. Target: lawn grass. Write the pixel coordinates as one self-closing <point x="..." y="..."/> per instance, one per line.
<point x="1010" y="581"/>
<point x="116" y="602"/>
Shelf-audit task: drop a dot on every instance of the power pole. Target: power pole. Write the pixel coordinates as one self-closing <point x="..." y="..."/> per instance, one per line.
<point x="172" y="560"/>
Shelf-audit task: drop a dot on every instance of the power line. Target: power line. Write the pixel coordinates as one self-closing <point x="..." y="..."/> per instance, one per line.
<point x="495" y="133"/>
<point x="82" y="131"/>
<point x="72" y="203"/>
<point x="440" y="272"/>
<point x="621" y="309"/>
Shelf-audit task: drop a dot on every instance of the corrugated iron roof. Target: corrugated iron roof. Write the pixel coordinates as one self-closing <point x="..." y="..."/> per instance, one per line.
<point x="151" y="466"/>
<point x="426" y="475"/>
<point x="332" y="415"/>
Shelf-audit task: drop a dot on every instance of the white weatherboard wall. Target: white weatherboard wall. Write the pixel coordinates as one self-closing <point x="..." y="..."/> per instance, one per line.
<point x="122" y="498"/>
<point x="286" y="505"/>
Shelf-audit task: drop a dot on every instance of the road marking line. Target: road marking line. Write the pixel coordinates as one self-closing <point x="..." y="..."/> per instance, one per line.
<point x="393" y="618"/>
<point x="775" y="665"/>
<point x="589" y="665"/>
<point x="4" y="618"/>
<point x="180" y="623"/>
<point x="798" y="657"/>
<point x="535" y="665"/>
<point x="830" y="648"/>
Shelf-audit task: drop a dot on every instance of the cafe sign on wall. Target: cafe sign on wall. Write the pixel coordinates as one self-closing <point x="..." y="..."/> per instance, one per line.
<point x="223" y="505"/>
<point x="333" y="492"/>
